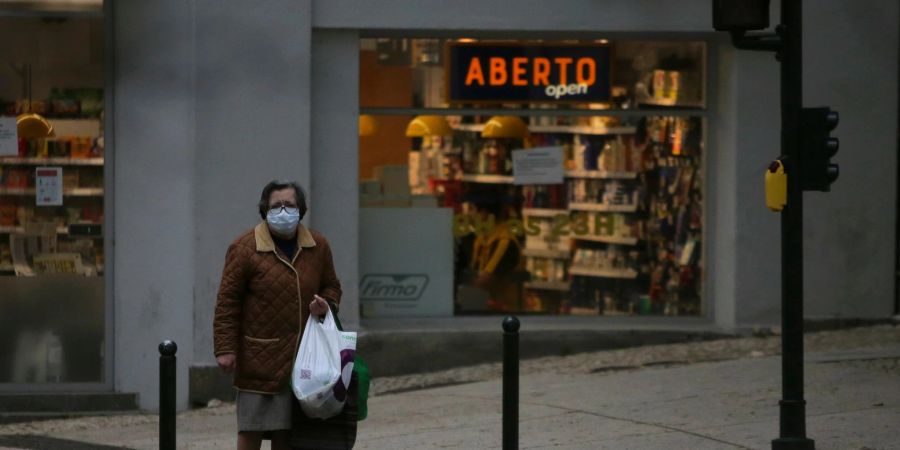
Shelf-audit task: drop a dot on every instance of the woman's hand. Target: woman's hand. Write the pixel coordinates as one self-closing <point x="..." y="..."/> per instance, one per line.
<point x="318" y="306"/>
<point x="227" y="362"/>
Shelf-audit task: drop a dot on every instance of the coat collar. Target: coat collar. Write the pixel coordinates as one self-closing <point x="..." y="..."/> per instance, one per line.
<point x="264" y="242"/>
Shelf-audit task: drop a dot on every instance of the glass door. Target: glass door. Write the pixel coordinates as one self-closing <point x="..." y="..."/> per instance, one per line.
<point x="53" y="308"/>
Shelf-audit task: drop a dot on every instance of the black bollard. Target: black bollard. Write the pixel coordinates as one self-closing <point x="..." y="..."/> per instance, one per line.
<point x="167" y="350"/>
<point x="510" y="383"/>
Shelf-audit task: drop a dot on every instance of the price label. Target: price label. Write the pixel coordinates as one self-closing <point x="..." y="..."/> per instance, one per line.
<point x="9" y="137"/>
<point x="48" y="186"/>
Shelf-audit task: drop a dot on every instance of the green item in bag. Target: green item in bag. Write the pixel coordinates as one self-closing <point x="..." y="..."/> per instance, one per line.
<point x="362" y="373"/>
<point x="362" y="378"/>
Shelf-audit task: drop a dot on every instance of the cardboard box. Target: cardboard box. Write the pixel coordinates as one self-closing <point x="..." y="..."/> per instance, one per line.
<point x="394" y="179"/>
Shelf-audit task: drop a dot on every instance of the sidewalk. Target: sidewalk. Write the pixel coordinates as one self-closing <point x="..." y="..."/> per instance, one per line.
<point x="655" y="397"/>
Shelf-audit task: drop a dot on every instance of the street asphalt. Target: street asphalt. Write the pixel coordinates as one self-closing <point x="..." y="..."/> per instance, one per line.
<point x="853" y="402"/>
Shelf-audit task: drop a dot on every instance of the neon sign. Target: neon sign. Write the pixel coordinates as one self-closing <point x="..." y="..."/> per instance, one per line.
<point x="528" y="73"/>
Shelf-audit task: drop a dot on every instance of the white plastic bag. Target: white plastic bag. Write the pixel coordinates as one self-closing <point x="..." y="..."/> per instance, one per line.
<point x="325" y="355"/>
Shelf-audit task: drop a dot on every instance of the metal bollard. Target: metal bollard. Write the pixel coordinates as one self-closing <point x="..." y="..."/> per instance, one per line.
<point x="510" y="383"/>
<point x="167" y="361"/>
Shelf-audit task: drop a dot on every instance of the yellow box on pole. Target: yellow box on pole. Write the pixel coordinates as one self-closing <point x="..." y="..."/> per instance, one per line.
<point x="776" y="186"/>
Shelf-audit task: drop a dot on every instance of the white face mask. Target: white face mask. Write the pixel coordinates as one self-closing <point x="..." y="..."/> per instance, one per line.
<point x="283" y="221"/>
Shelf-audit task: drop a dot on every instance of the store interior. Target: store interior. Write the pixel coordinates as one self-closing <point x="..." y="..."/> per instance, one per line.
<point x="618" y="233"/>
<point x="52" y="199"/>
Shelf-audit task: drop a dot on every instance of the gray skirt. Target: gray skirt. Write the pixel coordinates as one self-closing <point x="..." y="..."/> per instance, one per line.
<point x="264" y="412"/>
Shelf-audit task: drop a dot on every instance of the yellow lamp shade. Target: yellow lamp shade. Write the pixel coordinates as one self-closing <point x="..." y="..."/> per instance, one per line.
<point x="423" y="126"/>
<point x="367" y="125"/>
<point x="32" y="126"/>
<point x="504" y="127"/>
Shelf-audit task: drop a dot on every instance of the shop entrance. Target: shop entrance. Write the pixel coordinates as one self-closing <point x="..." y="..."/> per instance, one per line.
<point x="532" y="177"/>
<point x="54" y="314"/>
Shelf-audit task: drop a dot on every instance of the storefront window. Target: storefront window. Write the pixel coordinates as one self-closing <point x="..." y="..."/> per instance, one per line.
<point x="573" y="170"/>
<point x="52" y="302"/>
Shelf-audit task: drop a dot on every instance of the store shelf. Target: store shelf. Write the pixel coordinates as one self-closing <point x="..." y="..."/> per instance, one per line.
<point x="548" y="285"/>
<point x="9" y="269"/>
<point x="670" y="103"/>
<point x="51" y="161"/>
<point x="76" y="192"/>
<point x="601" y="174"/>
<point x="18" y="230"/>
<point x="562" y="129"/>
<point x="488" y="179"/>
<point x="607" y="239"/>
<point x="89" y="127"/>
<point x="472" y="127"/>
<point x="581" y="129"/>
<point x="601" y="207"/>
<point x="603" y="273"/>
<point x="544" y="212"/>
<point x="63" y="231"/>
<point x="547" y="253"/>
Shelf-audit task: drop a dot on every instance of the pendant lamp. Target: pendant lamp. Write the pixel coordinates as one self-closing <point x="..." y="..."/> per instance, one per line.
<point x="423" y="126"/>
<point x="505" y="127"/>
<point x="30" y="125"/>
<point x="367" y="125"/>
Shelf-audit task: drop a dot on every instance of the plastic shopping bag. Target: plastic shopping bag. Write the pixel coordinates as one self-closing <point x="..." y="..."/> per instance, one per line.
<point x="323" y="367"/>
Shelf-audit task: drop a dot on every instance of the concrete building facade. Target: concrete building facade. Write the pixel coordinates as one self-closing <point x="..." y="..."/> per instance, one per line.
<point x="207" y="100"/>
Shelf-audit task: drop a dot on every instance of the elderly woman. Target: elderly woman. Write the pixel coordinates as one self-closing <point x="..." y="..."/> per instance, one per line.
<point x="275" y="276"/>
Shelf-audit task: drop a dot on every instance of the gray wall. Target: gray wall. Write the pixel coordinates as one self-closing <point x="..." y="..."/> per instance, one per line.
<point x="335" y="157"/>
<point x="720" y="189"/>
<point x="252" y="123"/>
<point x="212" y="101"/>
<point x="154" y="175"/>
<point x="851" y="64"/>
<point x="507" y="15"/>
<point x="757" y="234"/>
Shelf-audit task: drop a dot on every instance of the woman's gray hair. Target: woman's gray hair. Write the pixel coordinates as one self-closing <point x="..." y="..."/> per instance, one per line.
<point x="277" y="185"/>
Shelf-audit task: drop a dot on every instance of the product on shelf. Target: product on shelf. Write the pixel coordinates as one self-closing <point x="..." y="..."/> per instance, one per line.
<point x="622" y="234"/>
<point x="38" y="237"/>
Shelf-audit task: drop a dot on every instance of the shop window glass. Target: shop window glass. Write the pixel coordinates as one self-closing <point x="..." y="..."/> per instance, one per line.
<point x="52" y="289"/>
<point x="619" y="230"/>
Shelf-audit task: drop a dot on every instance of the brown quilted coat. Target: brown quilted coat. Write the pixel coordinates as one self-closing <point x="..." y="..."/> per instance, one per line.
<point x="263" y="303"/>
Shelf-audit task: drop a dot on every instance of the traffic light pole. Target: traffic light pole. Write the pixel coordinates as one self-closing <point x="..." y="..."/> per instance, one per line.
<point x="792" y="433"/>
<point x="806" y="149"/>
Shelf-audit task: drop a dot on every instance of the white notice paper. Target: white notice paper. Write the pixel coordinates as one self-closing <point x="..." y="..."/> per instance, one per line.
<point x="9" y="137"/>
<point x="539" y="165"/>
<point x="48" y="186"/>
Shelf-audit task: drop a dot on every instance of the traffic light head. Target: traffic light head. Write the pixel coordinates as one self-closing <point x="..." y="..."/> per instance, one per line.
<point x="740" y="15"/>
<point x="818" y="147"/>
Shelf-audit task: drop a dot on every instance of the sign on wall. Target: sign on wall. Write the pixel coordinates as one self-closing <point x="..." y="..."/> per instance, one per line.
<point x="48" y="186"/>
<point x="527" y="73"/>
<point x="538" y="165"/>
<point x="392" y="287"/>
<point x="9" y="142"/>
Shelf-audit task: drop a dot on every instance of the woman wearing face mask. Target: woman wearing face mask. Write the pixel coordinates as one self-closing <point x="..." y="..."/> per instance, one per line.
<point x="275" y="277"/>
